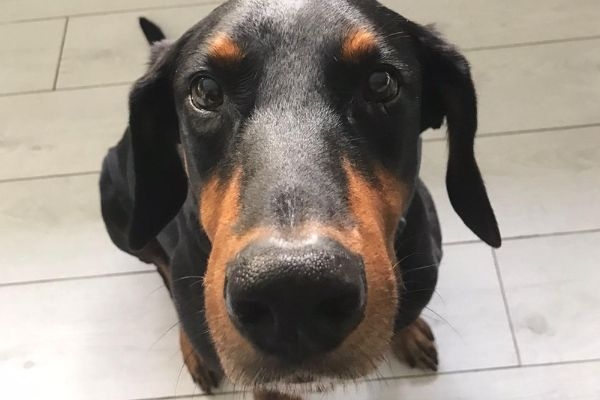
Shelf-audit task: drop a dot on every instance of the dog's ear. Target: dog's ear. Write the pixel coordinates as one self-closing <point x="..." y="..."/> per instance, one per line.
<point x="160" y="183"/>
<point x="448" y="92"/>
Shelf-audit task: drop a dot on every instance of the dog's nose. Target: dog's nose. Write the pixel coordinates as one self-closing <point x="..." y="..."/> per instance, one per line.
<point x="296" y="300"/>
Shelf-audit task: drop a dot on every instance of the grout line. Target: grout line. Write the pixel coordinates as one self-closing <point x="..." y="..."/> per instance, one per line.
<point x="552" y="234"/>
<point x="53" y="176"/>
<point x="66" y="89"/>
<point x="507" y="308"/>
<point x="521" y="131"/>
<point x="25" y="92"/>
<point x="459" y="242"/>
<point x="490" y="369"/>
<point x="533" y="43"/>
<point x="192" y="396"/>
<point x="35" y="19"/>
<point x="113" y="12"/>
<point x="78" y="278"/>
<point x="60" y="53"/>
<point x="529" y="236"/>
<point x="94" y="86"/>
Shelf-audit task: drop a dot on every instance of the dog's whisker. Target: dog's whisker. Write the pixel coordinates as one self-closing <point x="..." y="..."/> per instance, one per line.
<point x="445" y="321"/>
<point x="165" y="333"/>
<point x="397" y="35"/>
<point x="188" y="277"/>
<point x="419" y="290"/>
<point x="408" y="271"/>
<point x="162" y="286"/>
<point x="179" y="375"/>
<point x="199" y="281"/>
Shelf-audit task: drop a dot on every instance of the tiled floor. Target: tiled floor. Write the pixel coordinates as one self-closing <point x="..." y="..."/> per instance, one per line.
<point x="80" y="320"/>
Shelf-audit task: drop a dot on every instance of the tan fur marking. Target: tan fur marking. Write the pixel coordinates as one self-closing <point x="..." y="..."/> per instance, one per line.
<point x="358" y="43"/>
<point x="219" y="209"/>
<point x="222" y="48"/>
<point x="219" y="205"/>
<point x="377" y="208"/>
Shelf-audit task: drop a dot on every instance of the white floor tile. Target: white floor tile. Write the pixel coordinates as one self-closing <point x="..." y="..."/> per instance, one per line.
<point x="102" y="338"/>
<point x="471" y="23"/>
<point x="115" y="50"/>
<point x="538" y="183"/>
<point x="51" y="228"/>
<point x="552" y="289"/>
<point x="29" y="54"/>
<point x="59" y="132"/>
<point x="540" y="86"/>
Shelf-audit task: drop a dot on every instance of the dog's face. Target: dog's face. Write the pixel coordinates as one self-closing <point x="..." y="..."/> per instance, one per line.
<point x="298" y="127"/>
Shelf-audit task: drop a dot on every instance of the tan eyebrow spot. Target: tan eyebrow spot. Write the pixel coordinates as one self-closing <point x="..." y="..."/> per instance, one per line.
<point x="358" y="43"/>
<point x="222" y="48"/>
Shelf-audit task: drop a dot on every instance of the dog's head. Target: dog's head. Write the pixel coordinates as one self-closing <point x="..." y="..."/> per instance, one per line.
<point x="298" y="125"/>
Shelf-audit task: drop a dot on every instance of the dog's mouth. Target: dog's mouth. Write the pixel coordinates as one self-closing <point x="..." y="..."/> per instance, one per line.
<point x="318" y="375"/>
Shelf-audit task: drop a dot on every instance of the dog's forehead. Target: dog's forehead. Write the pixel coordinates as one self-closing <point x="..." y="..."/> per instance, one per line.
<point x="293" y="19"/>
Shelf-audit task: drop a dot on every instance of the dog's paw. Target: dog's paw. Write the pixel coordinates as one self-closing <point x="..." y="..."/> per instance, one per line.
<point x="203" y="377"/>
<point x="206" y="379"/>
<point x="415" y="344"/>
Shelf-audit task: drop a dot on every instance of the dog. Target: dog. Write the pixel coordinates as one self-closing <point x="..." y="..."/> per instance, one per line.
<point x="270" y="171"/>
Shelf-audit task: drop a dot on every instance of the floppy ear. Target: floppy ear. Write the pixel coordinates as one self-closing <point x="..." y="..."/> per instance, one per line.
<point x="160" y="183"/>
<point x="448" y="92"/>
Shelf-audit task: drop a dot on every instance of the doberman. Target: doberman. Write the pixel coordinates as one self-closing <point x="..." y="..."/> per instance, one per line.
<point x="270" y="171"/>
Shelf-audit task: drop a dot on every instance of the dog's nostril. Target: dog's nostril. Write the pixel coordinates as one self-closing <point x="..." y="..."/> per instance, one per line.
<point x="339" y="307"/>
<point x="252" y="312"/>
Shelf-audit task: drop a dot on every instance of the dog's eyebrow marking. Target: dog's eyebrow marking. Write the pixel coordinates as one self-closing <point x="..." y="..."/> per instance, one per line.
<point x="358" y="43"/>
<point x="222" y="48"/>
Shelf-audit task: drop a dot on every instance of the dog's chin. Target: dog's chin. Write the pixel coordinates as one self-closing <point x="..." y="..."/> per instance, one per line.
<point x="302" y="384"/>
<point x="318" y="375"/>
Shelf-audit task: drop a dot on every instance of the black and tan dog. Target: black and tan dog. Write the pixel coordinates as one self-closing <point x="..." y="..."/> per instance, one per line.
<point x="270" y="172"/>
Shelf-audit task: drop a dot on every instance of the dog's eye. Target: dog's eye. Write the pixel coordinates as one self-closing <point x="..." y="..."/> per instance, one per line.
<point x="206" y="93"/>
<point x="382" y="86"/>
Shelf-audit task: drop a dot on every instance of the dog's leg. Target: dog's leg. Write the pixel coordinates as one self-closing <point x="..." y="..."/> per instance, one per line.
<point x="261" y="395"/>
<point x="415" y="344"/>
<point x="205" y="378"/>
